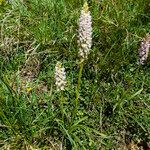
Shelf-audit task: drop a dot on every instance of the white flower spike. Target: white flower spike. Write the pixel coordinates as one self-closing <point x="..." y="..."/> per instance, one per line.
<point x="85" y="32"/>
<point x="60" y="77"/>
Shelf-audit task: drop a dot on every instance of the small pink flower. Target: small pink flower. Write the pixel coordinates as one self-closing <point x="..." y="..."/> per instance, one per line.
<point x="144" y="49"/>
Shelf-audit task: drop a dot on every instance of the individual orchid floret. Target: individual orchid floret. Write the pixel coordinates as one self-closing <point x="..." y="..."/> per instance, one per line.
<point x="60" y="77"/>
<point x="85" y="32"/>
<point x="144" y="49"/>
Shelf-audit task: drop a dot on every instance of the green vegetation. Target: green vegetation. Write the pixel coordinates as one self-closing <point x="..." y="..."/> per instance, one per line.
<point x="106" y="104"/>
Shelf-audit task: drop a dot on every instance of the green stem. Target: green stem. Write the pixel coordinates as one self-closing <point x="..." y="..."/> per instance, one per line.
<point x="77" y="90"/>
<point x="79" y="83"/>
<point x="62" y="106"/>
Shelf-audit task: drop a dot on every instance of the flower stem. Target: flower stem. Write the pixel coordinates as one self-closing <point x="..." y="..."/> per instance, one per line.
<point x="77" y="90"/>
<point x="62" y="106"/>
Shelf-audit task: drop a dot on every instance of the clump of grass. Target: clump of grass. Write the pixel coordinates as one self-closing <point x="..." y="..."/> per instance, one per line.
<point x="105" y="104"/>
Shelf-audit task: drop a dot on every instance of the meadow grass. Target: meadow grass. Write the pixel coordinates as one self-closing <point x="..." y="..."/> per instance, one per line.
<point x="106" y="103"/>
